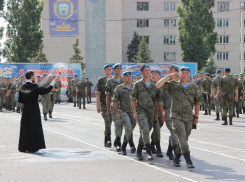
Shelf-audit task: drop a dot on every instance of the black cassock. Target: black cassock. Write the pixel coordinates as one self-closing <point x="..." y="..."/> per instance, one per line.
<point x="31" y="131"/>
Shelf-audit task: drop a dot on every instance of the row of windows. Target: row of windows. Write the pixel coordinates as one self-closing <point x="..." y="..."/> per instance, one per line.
<point x="224" y="55"/>
<point x="144" y="6"/>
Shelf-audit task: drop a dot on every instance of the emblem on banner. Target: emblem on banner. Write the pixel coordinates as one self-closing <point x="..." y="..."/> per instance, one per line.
<point x="63" y="9"/>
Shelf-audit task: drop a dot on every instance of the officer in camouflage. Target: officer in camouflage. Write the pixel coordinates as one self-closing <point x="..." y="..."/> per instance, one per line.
<point x="137" y="76"/>
<point x="101" y="103"/>
<point x="22" y="82"/>
<point x="240" y="95"/>
<point x="53" y="95"/>
<point x="144" y="102"/>
<point x="89" y="90"/>
<point x="226" y="88"/>
<point x="241" y="79"/>
<point x="81" y="92"/>
<point x="3" y="88"/>
<point x="206" y="92"/>
<point x="122" y="99"/>
<point x="185" y="96"/>
<point x="74" y="88"/>
<point x="199" y="84"/>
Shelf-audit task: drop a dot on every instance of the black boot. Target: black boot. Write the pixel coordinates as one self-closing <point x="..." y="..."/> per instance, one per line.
<point x="50" y="114"/>
<point x="153" y="150"/>
<point x="115" y="143"/>
<point x="159" y="151"/>
<point x="108" y="140"/>
<point x="234" y="114"/>
<point x="209" y="112"/>
<point x="240" y="110"/>
<point x="139" y="152"/>
<point x="175" y="153"/>
<point x="105" y="141"/>
<point x="170" y="152"/>
<point x="143" y="147"/>
<point x="74" y="104"/>
<point x="148" y="151"/>
<point x="123" y="151"/>
<point x="18" y="110"/>
<point x="206" y="112"/>
<point x="79" y="106"/>
<point x="132" y="146"/>
<point x="176" y="160"/>
<point x="230" y="121"/>
<point x="118" y="144"/>
<point x="244" y="110"/>
<point x="237" y="114"/>
<point x="84" y="106"/>
<point x="223" y="118"/>
<point x="45" y="117"/>
<point x="13" y="109"/>
<point x="202" y="107"/>
<point x="225" y="121"/>
<point x="188" y="161"/>
<point x="217" y="117"/>
<point x="1" y="110"/>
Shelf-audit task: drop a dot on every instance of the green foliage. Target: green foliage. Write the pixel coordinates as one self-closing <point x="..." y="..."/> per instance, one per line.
<point x="196" y="31"/>
<point x="2" y="3"/>
<point x="41" y="57"/>
<point x="76" y="57"/>
<point x="133" y="47"/>
<point x="210" y="67"/>
<point x="144" y="54"/>
<point x="24" y="34"/>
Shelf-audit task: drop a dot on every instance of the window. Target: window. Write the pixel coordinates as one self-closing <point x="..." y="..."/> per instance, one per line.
<point x="169" y="56"/>
<point x="169" y="39"/>
<point x="223" y="39"/>
<point x="222" y="55"/>
<point x="169" y="23"/>
<point x="142" y="23"/>
<point x="146" y="39"/>
<point x="169" y="6"/>
<point x="222" y="23"/>
<point x="223" y="6"/>
<point x="142" y="6"/>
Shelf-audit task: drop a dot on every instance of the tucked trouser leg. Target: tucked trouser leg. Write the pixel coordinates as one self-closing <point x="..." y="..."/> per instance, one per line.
<point x="173" y="136"/>
<point x="79" y="100"/>
<point x="231" y="107"/>
<point x="156" y="132"/>
<point x="117" y="123"/>
<point x="44" y="103"/>
<point x="107" y="121"/>
<point x="127" y="124"/>
<point x="52" y="102"/>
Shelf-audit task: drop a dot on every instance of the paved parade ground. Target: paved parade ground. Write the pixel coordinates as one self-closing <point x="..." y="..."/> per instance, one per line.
<point x="75" y="151"/>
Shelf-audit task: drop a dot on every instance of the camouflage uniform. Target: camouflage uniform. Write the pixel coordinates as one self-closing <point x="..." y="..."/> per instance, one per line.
<point x="215" y="84"/>
<point x="9" y="100"/>
<point x="20" y="105"/>
<point x="70" y="90"/>
<point x="228" y="84"/>
<point x="122" y="96"/>
<point x="199" y="84"/>
<point x="111" y="85"/>
<point x="242" y="101"/>
<point x="58" y="93"/>
<point x="206" y="86"/>
<point x="240" y="93"/>
<point x="145" y="108"/>
<point x="12" y="94"/>
<point x="2" y="94"/>
<point x="45" y="99"/>
<point x="81" y="86"/>
<point x="181" y="111"/>
<point x="74" y="86"/>
<point x="89" y="85"/>
<point x="54" y="94"/>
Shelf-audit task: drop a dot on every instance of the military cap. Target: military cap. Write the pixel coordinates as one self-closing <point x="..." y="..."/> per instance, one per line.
<point x="218" y="70"/>
<point x="76" y="74"/>
<point x="206" y="73"/>
<point x="87" y="78"/>
<point x="45" y="74"/>
<point x="185" y="69"/>
<point x="54" y="76"/>
<point x="22" y="75"/>
<point x="227" y="69"/>
<point x="236" y="75"/>
<point x="38" y="76"/>
<point x="231" y="74"/>
<point x="156" y="71"/>
<point x="83" y="77"/>
<point x="163" y="75"/>
<point x="8" y="77"/>
<point x="242" y="74"/>
<point x="117" y="65"/>
<point x="200" y="73"/>
<point x="127" y="73"/>
<point x="16" y="79"/>
<point x="211" y="75"/>
<point x="107" y="65"/>
<point x="144" y="66"/>
<point x="174" y="66"/>
<point x="137" y="75"/>
<point x="196" y="74"/>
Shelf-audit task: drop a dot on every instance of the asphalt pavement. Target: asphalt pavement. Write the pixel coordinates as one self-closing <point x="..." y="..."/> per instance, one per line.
<point x="75" y="151"/>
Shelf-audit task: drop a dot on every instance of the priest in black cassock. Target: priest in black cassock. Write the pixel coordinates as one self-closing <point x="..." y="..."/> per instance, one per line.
<point x="31" y="131"/>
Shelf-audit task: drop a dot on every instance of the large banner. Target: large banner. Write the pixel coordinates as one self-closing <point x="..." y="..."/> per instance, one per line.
<point x="135" y="68"/>
<point x="63" y="18"/>
<point x="65" y="70"/>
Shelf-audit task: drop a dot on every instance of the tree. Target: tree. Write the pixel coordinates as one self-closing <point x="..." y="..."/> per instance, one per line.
<point x="210" y="67"/>
<point x="41" y="57"/>
<point x="196" y="31"/>
<point x="24" y="34"/>
<point x="144" y="54"/>
<point x="133" y="48"/>
<point x="2" y="3"/>
<point x="76" y="57"/>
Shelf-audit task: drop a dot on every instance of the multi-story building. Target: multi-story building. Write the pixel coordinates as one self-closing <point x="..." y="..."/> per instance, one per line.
<point x="106" y="27"/>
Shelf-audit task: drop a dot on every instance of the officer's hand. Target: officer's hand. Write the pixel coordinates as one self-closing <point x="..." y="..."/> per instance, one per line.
<point x="156" y="117"/>
<point x="109" y="113"/>
<point x="118" y="116"/>
<point x="236" y="99"/>
<point x="240" y="97"/>
<point x="195" y="121"/>
<point x="216" y="97"/>
<point x="211" y="95"/>
<point x="98" y="109"/>
<point x="135" y="116"/>
<point x="163" y="118"/>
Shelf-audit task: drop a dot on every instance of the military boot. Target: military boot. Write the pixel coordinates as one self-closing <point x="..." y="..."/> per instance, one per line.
<point x="234" y="115"/>
<point x="159" y="151"/>
<point x="209" y="112"/>
<point x="175" y="153"/>
<point x="225" y="121"/>
<point x="115" y="143"/>
<point x="108" y="140"/>
<point x="217" y="117"/>
<point x="79" y="106"/>
<point x="84" y="106"/>
<point x="230" y="121"/>
<point x="206" y="112"/>
<point x="176" y="160"/>
<point x="143" y="147"/>
<point x="13" y="109"/>
<point x="123" y="151"/>
<point x="74" y="104"/>
<point x="237" y="114"/>
<point x="188" y="161"/>
<point x="202" y="107"/>
<point x="118" y="149"/>
<point x="240" y="111"/>
<point x="18" y="110"/>
<point x="105" y="141"/>
<point x="244" y="110"/>
<point x="139" y="152"/>
<point x="1" y="110"/>
<point x="45" y="117"/>
<point x="153" y="150"/>
<point x="148" y="151"/>
<point x="132" y="146"/>
<point x="50" y="114"/>
<point x="170" y="152"/>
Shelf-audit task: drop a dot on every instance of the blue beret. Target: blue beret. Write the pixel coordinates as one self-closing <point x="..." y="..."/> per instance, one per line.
<point x="127" y="73"/>
<point x="227" y="69"/>
<point x="206" y="73"/>
<point x="87" y="78"/>
<point x="38" y="76"/>
<point x="144" y="66"/>
<point x="185" y="69"/>
<point x="117" y="65"/>
<point x="163" y="75"/>
<point x="137" y="75"/>
<point x="83" y="77"/>
<point x="107" y="65"/>
<point x="54" y="76"/>
<point x="174" y="66"/>
<point x="231" y="74"/>
<point x="156" y="71"/>
<point x="200" y="73"/>
<point x="45" y="74"/>
<point x="218" y="70"/>
<point x="242" y="74"/>
<point x="211" y="75"/>
<point x="236" y="75"/>
<point x="76" y="74"/>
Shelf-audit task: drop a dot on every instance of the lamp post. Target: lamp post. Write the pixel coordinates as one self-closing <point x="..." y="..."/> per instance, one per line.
<point x="242" y="36"/>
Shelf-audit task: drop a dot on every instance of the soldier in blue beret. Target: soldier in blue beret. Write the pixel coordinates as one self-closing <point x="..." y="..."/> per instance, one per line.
<point x="89" y="90"/>
<point x="237" y="105"/>
<point x="206" y="92"/>
<point x="137" y="77"/>
<point x="242" y="108"/>
<point x="144" y="66"/>
<point x="174" y="67"/>
<point x="107" y="66"/>
<point x="117" y="65"/>
<point x="199" y="84"/>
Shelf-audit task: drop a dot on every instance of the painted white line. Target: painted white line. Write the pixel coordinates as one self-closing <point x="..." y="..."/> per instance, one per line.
<point x="143" y="163"/>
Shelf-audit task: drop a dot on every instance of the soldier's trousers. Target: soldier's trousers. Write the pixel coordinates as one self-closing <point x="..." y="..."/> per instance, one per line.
<point x="21" y="106"/>
<point x="129" y="123"/>
<point x="58" y="96"/>
<point x="156" y="133"/>
<point x="74" y="97"/>
<point x="145" y="122"/>
<point x="107" y="121"/>
<point x="79" y="99"/>
<point x="208" y="104"/>
<point x="218" y="104"/>
<point x="2" y="99"/>
<point x="88" y="97"/>
<point x="237" y="105"/>
<point x="46" y="103"/>
<point x="117" y="123"/>
<point x="51" y="108"/>
<point x="183" y="131"/>
<point x="173" y="136"/>
<point x="12" y="100"/>
<point x="228" y="105"/>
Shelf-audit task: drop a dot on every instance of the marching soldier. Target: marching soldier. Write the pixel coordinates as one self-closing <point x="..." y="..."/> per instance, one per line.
<point x="122" y="99"/>
<point x="11" y="94"/>
<point x="241" y="79"/>
<point x="185" y="96"/>
<point x="137" y="76"/>
<point x="206" y="92"/>
<point x="89" y="85"/>
<point x="240" y="94"/>
<point x="199" y="84"/>
<point x="144" y="102"/>
<point x="3" y="88"/>
<point x="81" y="92"/>
<point x="101" y="103"/>
<point x="53" y="95"/>
<point x="22" y="82"/>
<point x="9" y="97"/>
<point x="226" y="88"/>
<point x="59" y="85"/>
<point x="74" y="88"/>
